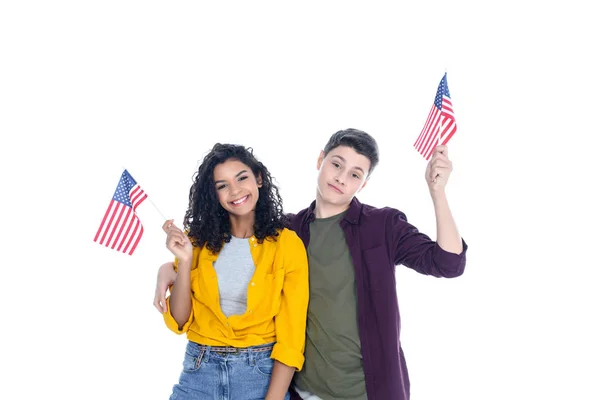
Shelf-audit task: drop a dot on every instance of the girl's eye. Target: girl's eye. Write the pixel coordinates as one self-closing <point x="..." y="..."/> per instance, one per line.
<point x="220" y="187"/>
<point x="336" y="165"/>
<point x="243" y="178"/>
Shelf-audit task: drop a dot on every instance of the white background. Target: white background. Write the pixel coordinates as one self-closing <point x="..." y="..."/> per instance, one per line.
<point x="87" y="88"/>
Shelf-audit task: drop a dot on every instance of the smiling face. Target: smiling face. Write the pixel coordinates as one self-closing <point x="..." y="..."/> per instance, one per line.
<point x="342" y="174"/>
<point x="236" y="187"/>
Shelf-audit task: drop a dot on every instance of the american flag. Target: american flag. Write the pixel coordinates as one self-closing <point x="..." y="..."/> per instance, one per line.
<point x="440" y="124"/>
<point x="121" y="229"/>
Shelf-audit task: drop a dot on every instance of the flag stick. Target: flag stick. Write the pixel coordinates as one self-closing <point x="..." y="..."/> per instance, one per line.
<point x="439" y="132"/>
<point x="151" y="202"/>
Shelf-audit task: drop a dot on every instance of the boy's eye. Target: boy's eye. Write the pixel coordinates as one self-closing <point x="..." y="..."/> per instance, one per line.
<point x="356" y="176"/>
<point x="336" y="165"/>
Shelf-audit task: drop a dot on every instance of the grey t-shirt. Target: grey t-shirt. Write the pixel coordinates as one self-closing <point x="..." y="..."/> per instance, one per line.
<point x="235" y="269"/>
<point x="333" y="361"/>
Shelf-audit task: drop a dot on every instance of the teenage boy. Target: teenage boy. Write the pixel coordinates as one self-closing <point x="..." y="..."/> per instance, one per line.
<point x="353" y="349"/>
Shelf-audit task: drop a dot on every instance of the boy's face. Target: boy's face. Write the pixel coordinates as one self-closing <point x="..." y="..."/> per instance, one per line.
<point x="342" y="174"/>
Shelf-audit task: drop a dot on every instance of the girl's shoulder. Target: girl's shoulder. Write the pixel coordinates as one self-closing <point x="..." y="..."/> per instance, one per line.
<point x="288" y="236"/>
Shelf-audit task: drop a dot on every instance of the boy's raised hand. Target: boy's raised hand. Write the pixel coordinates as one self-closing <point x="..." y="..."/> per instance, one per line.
<point x="165" y="279"/>
<point x="438" y="169"/>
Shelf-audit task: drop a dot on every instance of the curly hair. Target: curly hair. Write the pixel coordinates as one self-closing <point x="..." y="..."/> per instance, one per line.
<point x="207" y="222"/>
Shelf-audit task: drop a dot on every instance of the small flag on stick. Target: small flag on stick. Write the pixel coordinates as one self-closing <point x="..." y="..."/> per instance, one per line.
<point x="121" y="228"/>
<point x="440" y="125"/>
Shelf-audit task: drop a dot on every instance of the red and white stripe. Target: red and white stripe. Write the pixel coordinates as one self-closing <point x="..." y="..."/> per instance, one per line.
<point x="121" y="229"/>
<point x="440" y="122"/>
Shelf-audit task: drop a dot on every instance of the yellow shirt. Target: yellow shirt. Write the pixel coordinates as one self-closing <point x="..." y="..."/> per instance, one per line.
<point x="276" y="306"/>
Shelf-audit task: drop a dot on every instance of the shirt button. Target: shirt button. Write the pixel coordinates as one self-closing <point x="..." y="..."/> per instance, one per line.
<point x="250" y="311"/>
<point x="252" y="239"/>
<point x="252" y="283"/>
<point x="227" y="324"/>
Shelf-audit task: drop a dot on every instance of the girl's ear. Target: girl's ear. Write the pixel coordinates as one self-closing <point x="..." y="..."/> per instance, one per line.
<point x="259" y="180"/>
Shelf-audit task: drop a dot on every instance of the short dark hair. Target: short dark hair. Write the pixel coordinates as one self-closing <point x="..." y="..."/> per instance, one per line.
<point x="360" y="141"/>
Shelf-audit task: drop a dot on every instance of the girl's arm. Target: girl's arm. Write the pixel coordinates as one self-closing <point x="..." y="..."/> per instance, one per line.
<point x="180" y="301"/>
<point x="290" y="322"/>
<point x="280" y="381"/>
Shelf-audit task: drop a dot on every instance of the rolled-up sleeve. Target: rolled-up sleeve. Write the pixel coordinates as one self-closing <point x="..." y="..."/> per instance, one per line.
<point x="416" y="250"/>
<point x="290" y="322"/>
<point x="172" y="324"/>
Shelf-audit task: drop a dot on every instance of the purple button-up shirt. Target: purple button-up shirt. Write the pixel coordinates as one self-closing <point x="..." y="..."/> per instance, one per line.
<point x="379" y="239"/>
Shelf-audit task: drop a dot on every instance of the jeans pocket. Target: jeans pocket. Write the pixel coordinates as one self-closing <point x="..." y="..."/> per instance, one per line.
<point x="264" y="366"/>
<point x="192" y="362"/>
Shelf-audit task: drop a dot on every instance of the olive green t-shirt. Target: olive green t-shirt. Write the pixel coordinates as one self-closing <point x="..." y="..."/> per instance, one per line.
<point x="333" y="361"/>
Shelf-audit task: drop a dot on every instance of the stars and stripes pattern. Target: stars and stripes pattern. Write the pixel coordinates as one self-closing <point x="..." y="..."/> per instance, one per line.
<point x="121" y="228"/>
<point x="440" y="125"/>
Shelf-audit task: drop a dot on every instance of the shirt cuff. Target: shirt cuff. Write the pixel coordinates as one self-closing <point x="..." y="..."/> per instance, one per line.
<point x="172" y="324"/>
<point x="288" y="356"/>
<point x="450" y="264"/>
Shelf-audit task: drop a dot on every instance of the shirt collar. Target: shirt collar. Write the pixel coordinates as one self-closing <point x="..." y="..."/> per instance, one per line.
<point x="352" y="214"/>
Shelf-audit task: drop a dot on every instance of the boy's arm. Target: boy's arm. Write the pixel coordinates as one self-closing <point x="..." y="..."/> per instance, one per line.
<point x="447" y="232"/>
<point x="437" y="174"/>
<point x="444" y="257"/>
<point x="164" y="280"/>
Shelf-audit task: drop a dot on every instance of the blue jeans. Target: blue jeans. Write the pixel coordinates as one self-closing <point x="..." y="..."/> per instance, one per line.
<point x="225" y="373"/>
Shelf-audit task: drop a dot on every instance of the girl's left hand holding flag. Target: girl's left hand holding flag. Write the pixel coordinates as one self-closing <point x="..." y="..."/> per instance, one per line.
<point x="167" y="275"/>
<point x="180" y="303"/>
<point x="178" y="242"/>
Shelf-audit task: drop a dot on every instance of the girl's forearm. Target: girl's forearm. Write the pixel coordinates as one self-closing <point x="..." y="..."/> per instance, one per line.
<point x="181" y="299"/>
<point x="280" y="381"/>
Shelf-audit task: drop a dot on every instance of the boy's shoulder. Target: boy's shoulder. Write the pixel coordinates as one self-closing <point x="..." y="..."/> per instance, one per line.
<point x="365" y="213"/>
<point x="294" y="220"/>
<point x="371" y="212"/>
